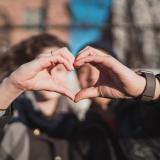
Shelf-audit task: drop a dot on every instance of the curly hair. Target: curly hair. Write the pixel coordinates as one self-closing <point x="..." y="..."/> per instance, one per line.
<point x="26" y="51"/>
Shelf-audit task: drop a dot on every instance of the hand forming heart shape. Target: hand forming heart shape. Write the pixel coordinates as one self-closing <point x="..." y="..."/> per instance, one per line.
<point x="113" y="81"/>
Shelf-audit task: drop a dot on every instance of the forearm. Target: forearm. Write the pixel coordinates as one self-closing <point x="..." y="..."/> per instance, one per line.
<point x="8" y="93"/>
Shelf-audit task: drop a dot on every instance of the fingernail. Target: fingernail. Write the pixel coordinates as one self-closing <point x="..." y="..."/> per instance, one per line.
<point x="75" y="63"/>
<point x="75" y="101"/>
<point x="72" y="99"/>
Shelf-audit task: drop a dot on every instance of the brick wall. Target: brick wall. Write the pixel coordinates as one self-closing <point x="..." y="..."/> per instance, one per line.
<point x="21" y="12"/>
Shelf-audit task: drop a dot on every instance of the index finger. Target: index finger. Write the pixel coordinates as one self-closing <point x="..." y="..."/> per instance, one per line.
<point x="83" y="53"/>
<point x="65" y="53"/>
<point x="90" y="51"/>
<point x="41" y="63"/>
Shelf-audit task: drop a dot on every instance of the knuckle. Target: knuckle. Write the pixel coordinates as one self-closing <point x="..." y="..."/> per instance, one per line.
<point x="22" y="67"/>
<point x="65" y="48"/>
<point x="89" y="47"/>
<point x="14" y="80"/>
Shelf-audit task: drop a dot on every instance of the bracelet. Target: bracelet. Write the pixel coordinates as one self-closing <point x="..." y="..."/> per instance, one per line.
<point x="150" y="88"/>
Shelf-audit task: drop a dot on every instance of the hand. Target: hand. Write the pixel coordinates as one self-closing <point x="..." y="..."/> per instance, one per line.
<point x="114" y="81"/>
<point x="36" y="75"/>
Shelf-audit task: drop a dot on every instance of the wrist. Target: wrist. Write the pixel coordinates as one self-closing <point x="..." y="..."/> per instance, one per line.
<point x="141" y="86"/>
<point x="14" y="86"/>
<point x="8" y="93"/>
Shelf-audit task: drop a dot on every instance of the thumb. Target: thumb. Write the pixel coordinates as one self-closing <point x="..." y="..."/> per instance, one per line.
<point x="64" y="91"/>
<point x="53" y="86"/>
<point x="87" y="93"/>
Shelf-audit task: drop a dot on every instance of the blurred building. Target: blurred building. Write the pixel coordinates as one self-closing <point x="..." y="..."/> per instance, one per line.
<point x="20" y="19"/>
<point x="135" y="27"/>
<point x="132" y="26"/>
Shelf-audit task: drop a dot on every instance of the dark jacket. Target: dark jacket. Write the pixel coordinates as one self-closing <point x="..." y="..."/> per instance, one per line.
<point x="137" y="136"/>
<point x="5" y="116"/>
<point x="29" y="135"/>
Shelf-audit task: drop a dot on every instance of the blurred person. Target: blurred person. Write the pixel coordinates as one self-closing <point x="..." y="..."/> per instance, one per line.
<point x="44" y="115"/>
<point x="116" y="129"/>
<point x="120" y="82"/>
<point x="127" y="84"/>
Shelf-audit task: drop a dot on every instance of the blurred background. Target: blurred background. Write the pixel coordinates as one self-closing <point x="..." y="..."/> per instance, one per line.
<point x="130" y="27"/>
<point x="127" y="29"/>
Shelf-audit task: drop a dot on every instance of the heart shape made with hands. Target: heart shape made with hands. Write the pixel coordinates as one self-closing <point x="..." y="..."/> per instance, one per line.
<point x="46" y="80"/>
<point x="90" y="90"/>
<point x="112" y="79"/>
<point x="102" y="85"/>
